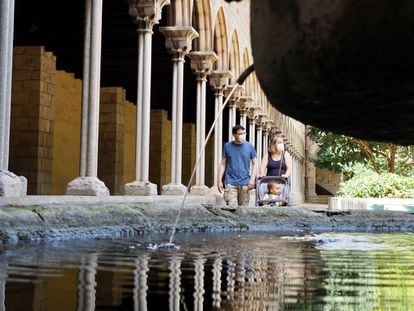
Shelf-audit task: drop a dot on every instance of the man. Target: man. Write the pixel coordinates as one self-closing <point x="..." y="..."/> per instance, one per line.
<point x="235" y="164"/>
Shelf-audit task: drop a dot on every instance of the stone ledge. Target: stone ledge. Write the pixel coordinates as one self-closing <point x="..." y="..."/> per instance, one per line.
<point x="376" y="204"/>
<point x="32" y="223"/>
<point x="45" y="200"/>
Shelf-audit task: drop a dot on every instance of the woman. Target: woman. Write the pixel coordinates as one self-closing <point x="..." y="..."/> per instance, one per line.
<point x="277" y="162"/>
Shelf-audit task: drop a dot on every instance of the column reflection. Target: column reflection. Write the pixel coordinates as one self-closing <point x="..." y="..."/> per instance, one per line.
<point x="87" y="283"/>
<point x="217" y="268"/>
<point x="141" y="283"/>
<point x="231" y="266"/>
<point x="199" y="283"/>
<point x="175" y="283"/>
<point x="3" y="277"/>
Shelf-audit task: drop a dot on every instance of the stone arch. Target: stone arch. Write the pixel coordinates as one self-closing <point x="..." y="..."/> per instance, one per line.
<point x="256" y="89"/>
<point x="202" y="22"/>
<point x="249" y="80"/>
<point x="220" y="40"/>
<point x="234" y="57"/>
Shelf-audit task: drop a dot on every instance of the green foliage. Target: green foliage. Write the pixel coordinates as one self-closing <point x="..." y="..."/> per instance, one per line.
<point x="341" y="153"/>
<point x="369" y="184"/>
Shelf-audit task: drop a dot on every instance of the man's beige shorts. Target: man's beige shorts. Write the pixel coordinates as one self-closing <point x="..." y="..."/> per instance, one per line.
<point x="236" y="195"/>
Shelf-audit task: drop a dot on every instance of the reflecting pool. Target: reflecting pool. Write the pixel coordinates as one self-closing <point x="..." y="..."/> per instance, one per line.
<point x="213" y="271"/>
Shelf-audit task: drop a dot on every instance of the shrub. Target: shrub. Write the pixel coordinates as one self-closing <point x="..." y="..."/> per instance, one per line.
<point x="368" y="184"/>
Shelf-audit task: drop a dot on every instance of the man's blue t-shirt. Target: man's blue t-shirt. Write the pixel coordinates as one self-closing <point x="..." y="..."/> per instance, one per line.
<point x="238" y="157"/>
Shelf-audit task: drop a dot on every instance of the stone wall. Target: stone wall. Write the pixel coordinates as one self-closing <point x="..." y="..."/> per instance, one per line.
<point x="209" y="154"/>
<point x="31" y="128"/>
<point x="189" y="153"/>
<point x="328" y="180"/>
<point x="111" y="139"/>
<point x="68" y="105"/>
<point x="130" y="114"/>
<point x="160" y="148"/>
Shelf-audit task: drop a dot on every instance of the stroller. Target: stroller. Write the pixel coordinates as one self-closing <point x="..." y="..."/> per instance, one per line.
<point x="261" y="190"/>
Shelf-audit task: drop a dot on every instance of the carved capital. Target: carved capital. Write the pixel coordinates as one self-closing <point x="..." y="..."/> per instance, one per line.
<point x="236" y="94"/>
<point x="244" y="103"/>
<point x="257" y="112"/>
<point x="268" y="123"/>
<point x="219" y="79"/>
<point x="202" y="62"/>
<point x="251" y="113"/>
<point x="275" y="131"/>
<point x="178" y="39"/>
<point x="261" y="119"/>
<point x="146" y="13"/>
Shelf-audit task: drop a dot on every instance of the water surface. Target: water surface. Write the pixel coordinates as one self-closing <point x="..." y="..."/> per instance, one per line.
<point x="213" y="271"/>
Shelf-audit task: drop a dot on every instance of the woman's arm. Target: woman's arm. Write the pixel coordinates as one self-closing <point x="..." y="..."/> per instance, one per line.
<point x="288" y="163"/>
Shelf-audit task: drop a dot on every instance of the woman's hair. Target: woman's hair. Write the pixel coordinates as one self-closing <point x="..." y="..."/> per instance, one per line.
<point x="273" y="140"/>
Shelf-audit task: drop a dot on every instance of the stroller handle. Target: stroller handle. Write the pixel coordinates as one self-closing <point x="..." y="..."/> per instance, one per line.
<point x="277" y="178"/>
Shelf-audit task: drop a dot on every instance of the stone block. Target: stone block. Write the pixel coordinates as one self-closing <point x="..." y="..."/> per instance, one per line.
<point x="87" y="186"/>
<point x="12" y="185"/>
<point x="199" y="190"/>
<point x="174" y="189"/>
<point x="140" y="188"/>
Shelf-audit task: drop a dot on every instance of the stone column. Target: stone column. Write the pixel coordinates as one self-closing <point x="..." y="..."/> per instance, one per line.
<point x="232" y="118"/>
<point x="243" y="114"/>
<point x="10" y="183"/>
<point x="88" y="183"/>
<point x="233" y="102"/>
<point x="265" y="140"/>
<point x="252" y="125"/>
<point x="218" y="81"/>
<point x="146" y="14"/>
<point x="259" y="136"/>
<point x="178" y="42"/>
<point x="201" y="64"/>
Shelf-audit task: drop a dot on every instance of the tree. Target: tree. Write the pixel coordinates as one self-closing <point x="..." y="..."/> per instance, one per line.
<point x="338" y="153"/>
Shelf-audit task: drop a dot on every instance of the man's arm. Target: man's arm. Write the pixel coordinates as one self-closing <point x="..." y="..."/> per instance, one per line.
<point x="222" y="168"/>
<point x="252" y="180"/>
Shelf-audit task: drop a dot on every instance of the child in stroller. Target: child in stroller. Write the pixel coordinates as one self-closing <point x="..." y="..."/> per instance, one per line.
<point x="273" y="191"/>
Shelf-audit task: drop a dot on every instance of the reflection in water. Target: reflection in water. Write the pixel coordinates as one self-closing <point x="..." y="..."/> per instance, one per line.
<point x="87" y="283"/>
<point x="215" y="272"/>
<point x="231" y="268"/>
<point x="141" y="283"/>
<point x="175" y="283"/>
<point x="199" y="283"/>
<point x="3" y="276"/>
<point x="217" y="266"/>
